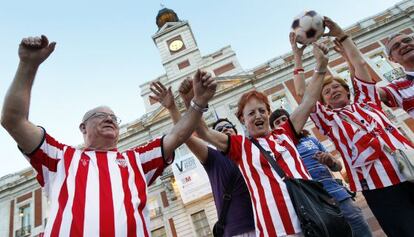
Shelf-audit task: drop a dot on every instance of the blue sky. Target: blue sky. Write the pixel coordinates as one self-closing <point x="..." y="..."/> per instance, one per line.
<point x="105" y="51"/>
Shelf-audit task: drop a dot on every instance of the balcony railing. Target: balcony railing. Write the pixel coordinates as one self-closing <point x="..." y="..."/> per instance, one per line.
<point x="394" y="74"/>
<point x="24" y="231"/>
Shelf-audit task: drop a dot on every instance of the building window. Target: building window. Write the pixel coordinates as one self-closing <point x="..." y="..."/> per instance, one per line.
<point x="24" y="217"/>
<point x="385" y="68"/>
<point x="225" y="68"/>
<point x="154" y="207"/>
<point x="183" y="64"/>
<point x="381" y="63"/>
<point x="345" y="74"/>
<point x="280" y="102"/>
<point x="200" y="222"/>
<point x="160" y="232"/>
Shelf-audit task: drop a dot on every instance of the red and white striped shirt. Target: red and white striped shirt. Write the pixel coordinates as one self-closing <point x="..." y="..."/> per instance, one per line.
<point x="400" y="93"/>
<point x="97" y="193"/>
<point x="274" y="212"/>
<point x="359" y="132"/>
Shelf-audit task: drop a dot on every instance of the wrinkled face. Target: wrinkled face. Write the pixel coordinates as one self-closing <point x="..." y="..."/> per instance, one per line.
<point x="225" y="127"/>
<point x="280" y="121"/>
<point x="256" y="118"/>
<point x="101" y="123"/>
<point x="335" y="95"/>
<point x="401" y="49"/>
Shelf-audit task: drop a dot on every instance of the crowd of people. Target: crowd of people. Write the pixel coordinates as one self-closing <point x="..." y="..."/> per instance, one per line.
<point x="99" y="191"/>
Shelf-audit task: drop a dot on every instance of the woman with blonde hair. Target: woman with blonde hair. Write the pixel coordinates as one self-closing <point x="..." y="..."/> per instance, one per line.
<point x="366" y="138"/>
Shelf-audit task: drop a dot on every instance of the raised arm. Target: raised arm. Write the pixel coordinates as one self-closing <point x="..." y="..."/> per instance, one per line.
<point x="351" y="51"/>
<point x="312" y="93"/>
<point x="339" y="48"/>
<point x="166" y="98"/>
<point x="32" y="52"/>
<point x="218" y="139"/>
<point x="204" y="89"/>
<point x="298" y="73"/>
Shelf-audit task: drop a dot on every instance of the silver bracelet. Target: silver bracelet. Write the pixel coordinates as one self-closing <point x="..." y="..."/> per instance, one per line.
<point x="319" y="71"/>
<point x="197" y="107"/>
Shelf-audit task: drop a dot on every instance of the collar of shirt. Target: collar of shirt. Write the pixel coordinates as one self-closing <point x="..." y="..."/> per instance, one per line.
<point x="410" y="75"/>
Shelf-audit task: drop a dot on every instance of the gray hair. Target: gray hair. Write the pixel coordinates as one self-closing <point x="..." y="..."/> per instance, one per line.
<point x="89" y="113"/>
<point x="389" y="38"/>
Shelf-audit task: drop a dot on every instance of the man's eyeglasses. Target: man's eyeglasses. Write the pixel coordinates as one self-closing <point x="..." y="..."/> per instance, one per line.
<point x="103" y="115"/>
<point x="225" y="126"/>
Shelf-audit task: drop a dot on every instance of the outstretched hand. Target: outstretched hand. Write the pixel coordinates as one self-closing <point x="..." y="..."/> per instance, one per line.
<point x="339" y="48"/>
<point x="297" y="51"/>
<point x="204" y="86"/>
<point x="35" y="50"/>
<point x="162" y="95"/>
<point x="334" y="29"/>
<point x="186" y="91"/>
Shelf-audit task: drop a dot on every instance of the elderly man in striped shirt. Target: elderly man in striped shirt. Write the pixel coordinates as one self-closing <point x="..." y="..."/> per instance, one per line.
<point x="97" y="190"/>
<point x="400" y="93"/>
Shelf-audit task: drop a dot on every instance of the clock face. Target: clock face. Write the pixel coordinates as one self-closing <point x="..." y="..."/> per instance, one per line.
<point x="176" y="45"/>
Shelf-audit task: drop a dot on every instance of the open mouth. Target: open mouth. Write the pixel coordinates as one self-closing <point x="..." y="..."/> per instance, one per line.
<point x="336" y="96"/>
<point x="259" y="124"/>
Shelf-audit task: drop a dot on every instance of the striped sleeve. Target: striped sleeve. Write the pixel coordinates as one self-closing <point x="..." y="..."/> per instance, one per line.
<point x="365" y="92"/>
<point x="152" y="159"/>
<point x="235" y="149"/>
<point x="45" y="158"/>
<point x="394" y="98"/>
<point x="323" y="118"/>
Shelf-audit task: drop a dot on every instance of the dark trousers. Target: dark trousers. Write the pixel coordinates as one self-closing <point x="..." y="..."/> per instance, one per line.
<point x="394" y="208"/>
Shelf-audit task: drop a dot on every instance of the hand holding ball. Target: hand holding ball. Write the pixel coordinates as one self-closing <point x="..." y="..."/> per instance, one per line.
<point x="308" y="27"/>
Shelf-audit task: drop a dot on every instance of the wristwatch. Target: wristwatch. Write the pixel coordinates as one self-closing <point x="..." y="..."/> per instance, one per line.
<point x="197" y="107"/>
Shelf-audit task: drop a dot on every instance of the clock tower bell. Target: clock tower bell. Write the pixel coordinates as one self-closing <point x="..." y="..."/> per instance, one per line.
<point x="176" y="43"/>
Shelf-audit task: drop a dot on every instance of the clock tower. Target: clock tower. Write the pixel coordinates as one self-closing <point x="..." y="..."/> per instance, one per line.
<point x="181" y="57"/>
<point x="177" y="46"/>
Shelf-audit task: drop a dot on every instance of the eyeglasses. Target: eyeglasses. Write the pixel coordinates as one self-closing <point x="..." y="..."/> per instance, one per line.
<point x="103" y="115"/>
<point x="225" y="126"/>
<point x="397" y="45"/>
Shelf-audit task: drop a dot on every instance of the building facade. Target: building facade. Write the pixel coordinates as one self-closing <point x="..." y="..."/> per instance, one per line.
<point x="180" y="201"/>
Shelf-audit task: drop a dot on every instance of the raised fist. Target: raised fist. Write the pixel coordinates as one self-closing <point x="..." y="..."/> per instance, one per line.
<point x="35" y="50"/>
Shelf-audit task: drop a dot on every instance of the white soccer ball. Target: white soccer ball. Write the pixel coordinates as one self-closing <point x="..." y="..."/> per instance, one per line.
<point x="308" y="27"/>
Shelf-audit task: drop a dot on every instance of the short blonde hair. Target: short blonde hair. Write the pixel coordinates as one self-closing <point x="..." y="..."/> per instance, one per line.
<point x="342" y="82"/>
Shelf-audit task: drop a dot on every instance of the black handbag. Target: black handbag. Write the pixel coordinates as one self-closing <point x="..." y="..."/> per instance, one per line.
<point x="319" y="214"/>
<point x="218" y="229"/>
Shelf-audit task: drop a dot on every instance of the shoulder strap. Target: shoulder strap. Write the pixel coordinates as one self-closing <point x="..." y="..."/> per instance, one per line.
<point x="227" y="196"/>
<point x="350" y="121"/>
<point x="270" y="159"/>
<point x="385" y="146"/>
